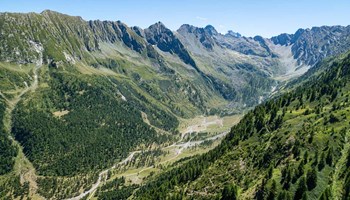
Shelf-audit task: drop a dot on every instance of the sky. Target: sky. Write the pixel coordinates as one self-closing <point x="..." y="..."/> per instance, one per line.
<point x="248" y="17"/>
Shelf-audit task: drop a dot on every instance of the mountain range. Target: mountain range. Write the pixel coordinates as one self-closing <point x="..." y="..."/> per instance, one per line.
<point x="77" y="96"/>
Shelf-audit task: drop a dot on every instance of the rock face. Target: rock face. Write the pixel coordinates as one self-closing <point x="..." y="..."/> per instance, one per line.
<point x="60" y="33"/>
<point x="209" y="37"/>
<point x="162" y="37"/>
<point x="233" y="34"/>
<point x="205" y="35"/>
<point x="112" y="32"/>
<point x="312" y="45"/>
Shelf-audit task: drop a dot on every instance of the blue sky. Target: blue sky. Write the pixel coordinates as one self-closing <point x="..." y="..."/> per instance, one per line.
<point x="248" y="17"/>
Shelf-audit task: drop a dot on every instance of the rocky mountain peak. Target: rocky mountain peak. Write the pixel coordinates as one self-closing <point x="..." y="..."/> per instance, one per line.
<point x="159" y="35"/>
<point x="211" y="30"/>
<point x="230" y="33"/>
<point x="186" y="28"/>
<point x="139" y="31"/>
<point x="51" y="13"/>
<point x="283" y="39"/>
<point x="311" y="45"/>
<point x="158" y="28"/>
<point x="45" y="12"/>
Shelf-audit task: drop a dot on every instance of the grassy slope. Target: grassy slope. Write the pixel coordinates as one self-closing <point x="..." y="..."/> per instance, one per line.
<point x="274" y="146"/>
<point x="89" y="85"/>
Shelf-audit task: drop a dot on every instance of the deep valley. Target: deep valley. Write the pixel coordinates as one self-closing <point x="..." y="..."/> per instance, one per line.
<point x="101" y="110"/>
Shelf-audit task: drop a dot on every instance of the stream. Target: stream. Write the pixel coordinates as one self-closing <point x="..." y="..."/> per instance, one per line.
<point x="182" y="146"/>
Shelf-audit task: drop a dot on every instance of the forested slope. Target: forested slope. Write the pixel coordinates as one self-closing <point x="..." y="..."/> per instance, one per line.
<point x="291" y="147"/>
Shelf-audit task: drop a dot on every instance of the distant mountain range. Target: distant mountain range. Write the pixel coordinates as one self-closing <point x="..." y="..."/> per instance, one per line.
<point x="237" y="68"/>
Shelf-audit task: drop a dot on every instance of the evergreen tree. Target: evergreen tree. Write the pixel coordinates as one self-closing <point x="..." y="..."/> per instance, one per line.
<point x="229" y="192"/>
<point x="259" y="195"/>
<point x="321" y="163"/>
<point x="316" y="160"/>
<point x="304" y="196"/>
<point x="305" y="157"/>
<point x="346" y="195"/>
<point x="311" y="179"/>
<point x="283" y="195"/>
<point x="326" y="195"/>
<point x="301" y="189"/>
<point x="329" y="157"/>
<point x="272" y="191"/>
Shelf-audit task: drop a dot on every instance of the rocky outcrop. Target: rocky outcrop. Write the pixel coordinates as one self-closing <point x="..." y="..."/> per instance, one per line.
<point x="108" y="31"/>
<point x="309" y="46"/>
<point x="162" y="37"/>
<point x="204" y="35"/>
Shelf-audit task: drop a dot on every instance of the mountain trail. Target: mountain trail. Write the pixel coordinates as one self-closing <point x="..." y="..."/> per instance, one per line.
<point x="23" y="166"/>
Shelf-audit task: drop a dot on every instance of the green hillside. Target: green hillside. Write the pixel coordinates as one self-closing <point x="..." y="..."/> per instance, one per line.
<point x="82" y="103"/>
<point x="292" y="147"/>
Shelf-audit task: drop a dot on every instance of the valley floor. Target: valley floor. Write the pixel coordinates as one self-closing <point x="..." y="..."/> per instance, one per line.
<point x="198" y="135"/>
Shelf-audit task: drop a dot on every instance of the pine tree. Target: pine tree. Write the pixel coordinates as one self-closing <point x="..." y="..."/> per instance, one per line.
<point x="304" y="196"/>
<point x="321" y="163"/>
<point x="259" y="195"/>
<point x="305" y="157"/>
<point x="229" y="192"/>
<point x="346" y="195"/>
<point x="301" y="189"/>
<point x="326" y="195"/>
<point x="329" y="157"/>
<point x="272" y="191"/>
<point x="284" y="195"/>
<point x="270" y="173"/>
<point x="311" y="179"/>
<point x="316" y="160"/>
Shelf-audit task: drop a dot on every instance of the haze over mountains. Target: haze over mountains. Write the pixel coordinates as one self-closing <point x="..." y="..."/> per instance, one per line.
<point x="77" y="96"/>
